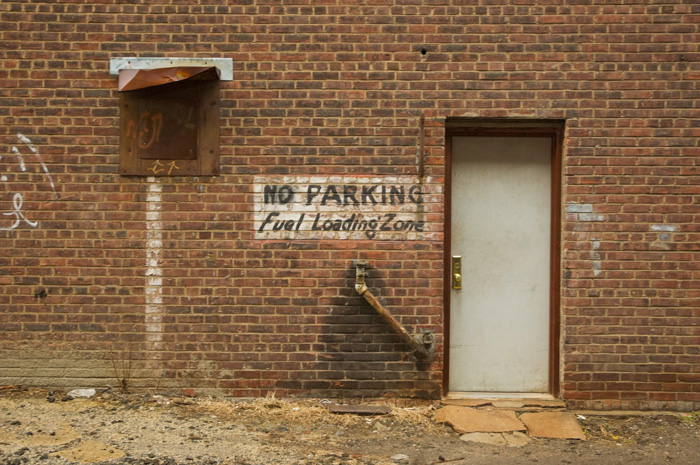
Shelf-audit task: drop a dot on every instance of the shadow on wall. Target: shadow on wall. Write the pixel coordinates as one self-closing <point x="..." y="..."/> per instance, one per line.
<point x="360" y="355"/>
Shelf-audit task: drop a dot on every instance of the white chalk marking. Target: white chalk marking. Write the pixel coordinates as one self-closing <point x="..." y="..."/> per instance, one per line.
<point x="17" y="201"/>
<point x="15" y="150"/>
<point x="27" y="141"/>
<point x="34" y="150"/>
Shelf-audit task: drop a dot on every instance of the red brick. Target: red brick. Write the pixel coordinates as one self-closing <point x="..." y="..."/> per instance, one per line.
<point x="344" y="99"/>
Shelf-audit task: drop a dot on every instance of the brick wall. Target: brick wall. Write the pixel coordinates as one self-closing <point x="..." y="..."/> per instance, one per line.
<point x="169" y="281"/>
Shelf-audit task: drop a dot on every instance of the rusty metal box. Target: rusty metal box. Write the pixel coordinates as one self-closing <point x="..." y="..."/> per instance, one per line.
<point x="171" y="128"/>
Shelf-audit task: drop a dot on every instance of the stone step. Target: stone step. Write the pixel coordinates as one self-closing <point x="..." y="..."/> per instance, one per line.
<point x="519" y="404"/>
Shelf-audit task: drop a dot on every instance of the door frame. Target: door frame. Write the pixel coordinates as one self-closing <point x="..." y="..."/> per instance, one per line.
<point x="485" y="128"/>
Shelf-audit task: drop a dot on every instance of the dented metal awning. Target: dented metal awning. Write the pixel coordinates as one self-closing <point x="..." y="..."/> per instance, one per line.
<point x="133" y="79"/>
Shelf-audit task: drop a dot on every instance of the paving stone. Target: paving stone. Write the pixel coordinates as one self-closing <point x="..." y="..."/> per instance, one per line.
<point x="468" y="402"/>
<point x="494" y="439"/>
<point x="556" y="425"/>
<point x="469" y="420"/>
<point x="517" y="439"/>
<point x="513" y="404"/>
<point x="544" y="403"/>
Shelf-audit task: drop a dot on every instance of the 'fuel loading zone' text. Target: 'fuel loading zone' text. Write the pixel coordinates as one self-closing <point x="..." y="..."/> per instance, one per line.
<point x="370" y="225"/>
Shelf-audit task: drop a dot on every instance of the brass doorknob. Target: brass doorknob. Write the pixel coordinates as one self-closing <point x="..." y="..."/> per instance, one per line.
<point x="456" y="272"/>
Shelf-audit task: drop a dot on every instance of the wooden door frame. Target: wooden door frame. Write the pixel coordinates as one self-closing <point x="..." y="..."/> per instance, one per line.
<point x="554" y="130"/>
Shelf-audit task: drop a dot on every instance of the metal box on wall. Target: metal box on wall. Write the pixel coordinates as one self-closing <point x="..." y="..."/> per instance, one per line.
<point x="169" y="122"/>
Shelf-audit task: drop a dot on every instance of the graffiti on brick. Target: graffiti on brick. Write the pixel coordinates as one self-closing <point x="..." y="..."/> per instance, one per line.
<point x="17" y="201"/>
<point x="147" y="131"/>
<point x="340" y="208"/>
<point x="158" y="167"/>
<point x="16" y="216"/>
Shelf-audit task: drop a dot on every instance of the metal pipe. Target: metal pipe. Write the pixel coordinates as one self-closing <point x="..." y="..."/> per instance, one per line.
<point x="420" y="349"/>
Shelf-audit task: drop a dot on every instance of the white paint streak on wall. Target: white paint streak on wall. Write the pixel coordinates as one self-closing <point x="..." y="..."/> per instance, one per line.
<point x="154" y="272"/>
<point x="664" y="227"/>
<point x="584" y="213"/>
<point x="18" y="198"/>
<point x="22" y="166"/>
<point x="38" y="157"/>
<point x="587" y="217"/>
<point x="17" y="201"/>
<point x="27" y="141"/>
<point x="579" y="208"/>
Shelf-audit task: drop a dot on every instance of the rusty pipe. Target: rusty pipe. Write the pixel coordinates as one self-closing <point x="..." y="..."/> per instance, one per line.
<point x="419" y="348"/>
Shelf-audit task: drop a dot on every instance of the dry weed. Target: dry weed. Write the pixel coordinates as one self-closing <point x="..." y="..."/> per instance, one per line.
<point x="313" y="412"/>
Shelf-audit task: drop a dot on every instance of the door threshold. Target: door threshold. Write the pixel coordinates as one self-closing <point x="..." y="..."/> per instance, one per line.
<point x="499" y="395"/>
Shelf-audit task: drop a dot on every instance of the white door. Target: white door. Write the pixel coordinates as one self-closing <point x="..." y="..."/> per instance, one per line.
<point x="501" y="217"/>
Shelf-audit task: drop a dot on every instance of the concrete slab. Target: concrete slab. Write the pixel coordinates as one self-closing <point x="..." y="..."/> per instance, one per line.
<point x="469" y="420"/>
<point x="555" y="425"/>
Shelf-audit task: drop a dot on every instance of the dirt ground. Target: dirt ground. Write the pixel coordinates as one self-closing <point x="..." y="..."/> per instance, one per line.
<point x="41" y="427"/>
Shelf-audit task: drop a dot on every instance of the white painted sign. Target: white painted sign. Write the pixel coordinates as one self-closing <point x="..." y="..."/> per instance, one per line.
<point x="341" y="207"/>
